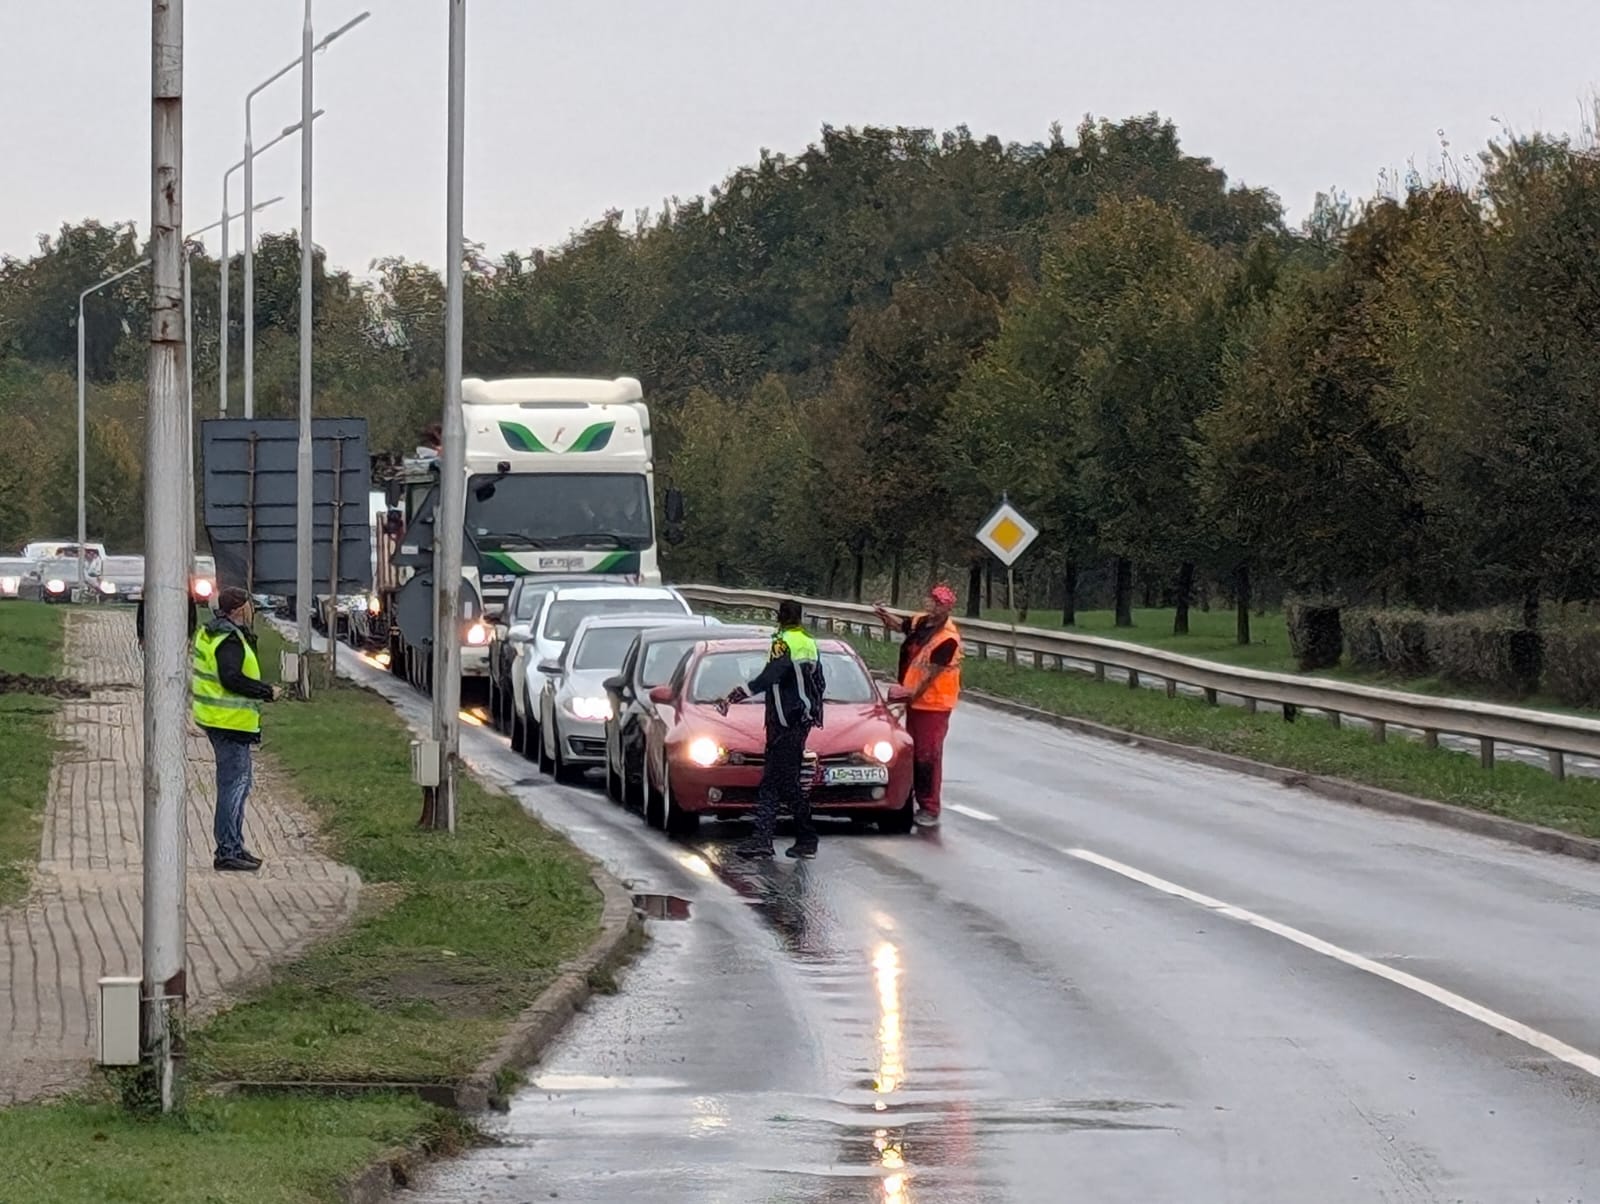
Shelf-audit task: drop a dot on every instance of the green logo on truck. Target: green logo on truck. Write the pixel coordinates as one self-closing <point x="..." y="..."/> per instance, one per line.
<point x="592" y="439"/>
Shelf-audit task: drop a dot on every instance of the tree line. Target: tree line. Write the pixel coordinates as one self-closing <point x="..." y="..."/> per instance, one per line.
<point x="854" y="352"/>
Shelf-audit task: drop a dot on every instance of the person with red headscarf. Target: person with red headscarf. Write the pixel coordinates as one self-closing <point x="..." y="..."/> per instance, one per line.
<point x="930" y="667"/>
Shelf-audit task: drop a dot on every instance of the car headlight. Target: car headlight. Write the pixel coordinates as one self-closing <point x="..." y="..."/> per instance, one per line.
<point x="704" y="751"/>
<point x="596" y="710"/>
<point x="203" y="588"/>
<point x="108" y="587"/>
<point x="373" y="605"/>
<point x="55" y="585"/>
<point x="477" y="635"/>
<point x="881" y="752"/>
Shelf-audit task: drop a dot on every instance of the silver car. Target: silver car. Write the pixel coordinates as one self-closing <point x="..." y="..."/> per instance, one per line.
<point x="558" y="616"/>
<point x="573" y="706"/>
<point x="121" y="579"/>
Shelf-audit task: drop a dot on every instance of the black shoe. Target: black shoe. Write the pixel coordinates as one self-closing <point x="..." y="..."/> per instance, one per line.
<point x="753" y="849"/>
<point x="805" y="852"/>
<point x="235" y="865"/>
<point x="247" y="855"/>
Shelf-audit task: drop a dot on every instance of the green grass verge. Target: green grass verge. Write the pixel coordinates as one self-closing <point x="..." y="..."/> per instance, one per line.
<point x="1310" y="744"/>
<point x="283" y="1150"/>
<point x="1212" y="637"/>
<point x="460" y="933"/>
<point x="30" y="643"/>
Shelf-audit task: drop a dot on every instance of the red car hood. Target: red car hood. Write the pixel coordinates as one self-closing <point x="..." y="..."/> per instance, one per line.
<point x="848" y="729"/>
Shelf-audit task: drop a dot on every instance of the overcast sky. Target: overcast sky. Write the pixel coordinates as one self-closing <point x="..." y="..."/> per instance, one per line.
<point x="574" y="107"/>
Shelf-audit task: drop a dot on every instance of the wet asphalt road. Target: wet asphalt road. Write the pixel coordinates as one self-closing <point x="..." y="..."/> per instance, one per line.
<point x="1109" y="977"/>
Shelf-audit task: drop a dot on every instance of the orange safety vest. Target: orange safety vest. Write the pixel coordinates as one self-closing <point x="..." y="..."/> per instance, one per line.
<point x="942" y="694"/>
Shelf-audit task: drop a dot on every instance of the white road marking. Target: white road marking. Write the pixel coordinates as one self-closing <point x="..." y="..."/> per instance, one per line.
<point x="974" y="813"/>
<point x="1556" y="1048"/>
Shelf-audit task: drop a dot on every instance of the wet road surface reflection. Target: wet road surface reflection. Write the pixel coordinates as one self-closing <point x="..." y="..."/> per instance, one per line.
<point x="782" y="1045"/>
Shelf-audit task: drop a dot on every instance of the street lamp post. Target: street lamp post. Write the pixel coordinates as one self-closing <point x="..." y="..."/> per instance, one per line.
<point x="222" y="290"/>
<point x="188" y="358"/>
<point x="188" y="323"/>
<point x="304" y="61"/>
<point x="447" y="532"/>
<point x="82" y="389"/>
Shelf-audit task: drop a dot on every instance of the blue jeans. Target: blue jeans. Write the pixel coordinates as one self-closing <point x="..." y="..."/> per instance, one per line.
<point x="234" y="779"/>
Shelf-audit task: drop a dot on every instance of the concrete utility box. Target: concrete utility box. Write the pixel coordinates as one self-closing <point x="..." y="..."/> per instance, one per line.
<point x="119" y="1022"/>
<point x="289" y="666"/>
<point x="425" y="762"/>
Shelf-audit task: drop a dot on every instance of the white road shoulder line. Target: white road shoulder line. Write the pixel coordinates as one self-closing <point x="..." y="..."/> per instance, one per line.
<point x="974" y="813"/>
<point x="1556" y="1048"/>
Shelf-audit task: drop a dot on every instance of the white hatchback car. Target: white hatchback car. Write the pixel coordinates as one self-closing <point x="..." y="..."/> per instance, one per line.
<point x="573" y="708"/>
<point x="560" y="612"/>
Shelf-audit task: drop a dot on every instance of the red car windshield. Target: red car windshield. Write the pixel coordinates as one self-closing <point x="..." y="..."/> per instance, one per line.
<point x="719" y="672"/>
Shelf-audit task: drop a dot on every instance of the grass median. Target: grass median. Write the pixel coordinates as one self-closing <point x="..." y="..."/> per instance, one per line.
<point x="458" y="933"/>
<point x="1311" y="744"/>
<point x="31" y="635"/>
<point x="455" y="936"/>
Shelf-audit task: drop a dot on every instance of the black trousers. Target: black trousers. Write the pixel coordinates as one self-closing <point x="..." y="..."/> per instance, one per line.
<point x="780" y="783"/>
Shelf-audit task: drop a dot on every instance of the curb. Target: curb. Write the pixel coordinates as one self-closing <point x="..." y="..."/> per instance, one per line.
<point x="1464" y="819"/>
<point x="530" y="1034"/>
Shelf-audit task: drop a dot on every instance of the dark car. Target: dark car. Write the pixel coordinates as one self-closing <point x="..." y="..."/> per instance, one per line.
<point x="649" y="663"/>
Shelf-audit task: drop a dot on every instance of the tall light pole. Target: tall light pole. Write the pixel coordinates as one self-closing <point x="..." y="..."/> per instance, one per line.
<point x="82" y="397"/>
<point x="188" y="362"/>
<point x="304" y="466"/>
<point x="249" y="199"/>
<point x="447" y="533"/>
<point x="166" y="661"/>
<point x="222" y="290"/>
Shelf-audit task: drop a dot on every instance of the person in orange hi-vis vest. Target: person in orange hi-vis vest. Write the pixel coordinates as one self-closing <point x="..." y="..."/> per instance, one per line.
<point x="930" y="667"/>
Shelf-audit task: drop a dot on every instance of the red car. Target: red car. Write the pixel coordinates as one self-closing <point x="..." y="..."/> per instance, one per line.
<point x="698" y="762"/>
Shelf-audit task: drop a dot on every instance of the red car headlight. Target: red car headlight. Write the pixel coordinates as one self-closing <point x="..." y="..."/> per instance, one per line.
<point x="704" y="751"/>
<point x="881" y="751"/>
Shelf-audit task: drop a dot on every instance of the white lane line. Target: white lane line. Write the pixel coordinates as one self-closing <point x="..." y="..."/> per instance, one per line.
<point x="1543" y="1042"/>
<point x="974" y="813"/>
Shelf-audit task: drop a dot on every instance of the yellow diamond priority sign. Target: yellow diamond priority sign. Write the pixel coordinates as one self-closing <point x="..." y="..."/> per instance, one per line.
<point x="1007" y="534"/>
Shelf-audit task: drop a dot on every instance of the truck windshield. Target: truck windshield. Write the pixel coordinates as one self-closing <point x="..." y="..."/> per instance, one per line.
<point x="559" y="510"/>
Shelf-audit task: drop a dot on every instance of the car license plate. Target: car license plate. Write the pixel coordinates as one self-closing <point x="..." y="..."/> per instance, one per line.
<point x="855" y="775"/>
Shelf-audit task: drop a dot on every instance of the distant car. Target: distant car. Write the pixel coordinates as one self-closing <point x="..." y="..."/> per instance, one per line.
<point x="650" y="663"/>
<point x="53" y="580"/>
<point x="511" y="630"/>
<point x="574" y="707"/>
<point x="121" y="579"/>
<point x="558" y="616"/>
<point x="698" y="762"/>
<point x="13" y="571"/>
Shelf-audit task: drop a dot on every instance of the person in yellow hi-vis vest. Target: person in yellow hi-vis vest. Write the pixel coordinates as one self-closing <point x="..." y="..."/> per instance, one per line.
<point x="227" y="693"/>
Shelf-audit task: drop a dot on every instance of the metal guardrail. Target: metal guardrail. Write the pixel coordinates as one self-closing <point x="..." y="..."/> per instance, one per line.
<point x="1488" y="723"/>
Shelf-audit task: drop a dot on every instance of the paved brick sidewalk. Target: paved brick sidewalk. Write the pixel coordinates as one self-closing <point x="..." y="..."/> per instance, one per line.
<point x="83" y="921"/>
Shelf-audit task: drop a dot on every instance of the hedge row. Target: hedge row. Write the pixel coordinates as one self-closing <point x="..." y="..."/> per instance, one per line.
<point x="1487" y="650"/>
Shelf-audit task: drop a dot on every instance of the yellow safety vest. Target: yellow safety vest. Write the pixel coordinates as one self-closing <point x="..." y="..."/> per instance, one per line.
<point x="212" y="705"/>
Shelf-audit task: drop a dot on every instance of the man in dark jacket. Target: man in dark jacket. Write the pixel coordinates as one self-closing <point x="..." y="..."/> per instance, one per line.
<point x="794" y="687"/>
<point x="227" y="694"/>
<point x="138" y="621"/>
